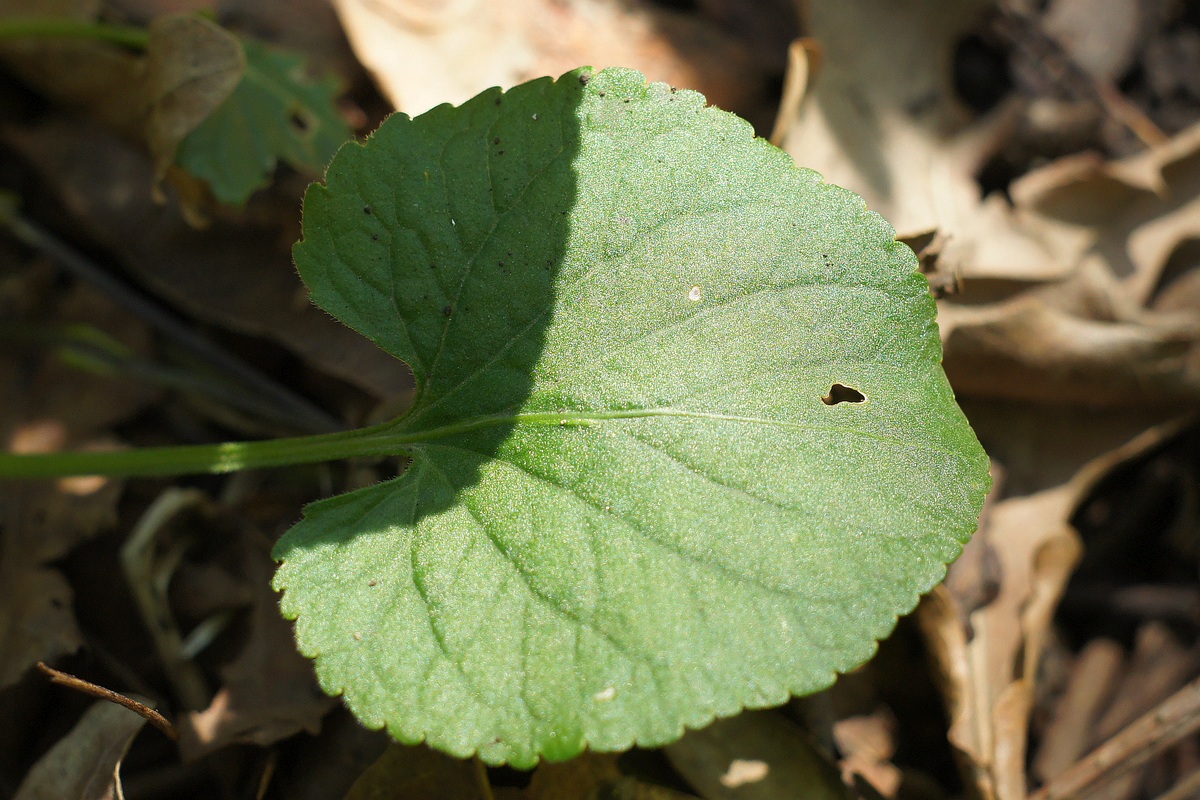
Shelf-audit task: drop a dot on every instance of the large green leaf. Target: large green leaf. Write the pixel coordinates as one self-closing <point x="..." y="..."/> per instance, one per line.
<point x="686" y="445"/>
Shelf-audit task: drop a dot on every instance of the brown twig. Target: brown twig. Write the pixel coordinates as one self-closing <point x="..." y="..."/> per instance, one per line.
<point x="1175" y="718"/>
<point x="78" y="684"/>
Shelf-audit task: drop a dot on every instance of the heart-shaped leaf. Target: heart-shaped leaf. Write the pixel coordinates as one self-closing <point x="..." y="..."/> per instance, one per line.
<point x="681" y="444"/>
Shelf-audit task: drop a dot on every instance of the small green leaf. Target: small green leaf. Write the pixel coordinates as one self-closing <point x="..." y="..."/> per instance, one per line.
<point x="276" y="112"/>
<point x="685" y="442"/>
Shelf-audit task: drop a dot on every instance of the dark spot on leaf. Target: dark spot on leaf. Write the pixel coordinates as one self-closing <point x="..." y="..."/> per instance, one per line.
<point x="497" y="101"/>
<point x="843" y="394"/>
<point x="500" y="153"/>
<point x="496" y="140"/>
<point x="371" y="583"/>
<point x="604" y="94"/>
<point x="501" y="263"/>
<point x="367" y="210"/>
<point x="584" y="78"/>
<point x="447" y="311"/>
<point x="374" y="237"/>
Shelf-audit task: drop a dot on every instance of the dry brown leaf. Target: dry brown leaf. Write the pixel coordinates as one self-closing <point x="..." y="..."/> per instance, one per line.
<point x="426" y="52"/>
<point x="238" y="276"/>
<point x="989" y="665"/>
<point x="1100" y="35"/>
<point x="192" y="65"/>
<point x="1135" y="212"/>
<point x="84" y="764"/>
<point x="269" y="691"/>
<point x="882" y="118"/>
<point x="1077" y="342"/>
<point x="867" y="743"/>
<point x="1111" y="228"/>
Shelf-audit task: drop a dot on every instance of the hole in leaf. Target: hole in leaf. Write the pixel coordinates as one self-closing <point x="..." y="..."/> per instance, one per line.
<point x="300" y="121"/>
<point x="843" y="394"/>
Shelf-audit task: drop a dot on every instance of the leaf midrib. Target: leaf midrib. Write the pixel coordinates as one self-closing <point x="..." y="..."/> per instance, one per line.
<point x="399" y="434"/>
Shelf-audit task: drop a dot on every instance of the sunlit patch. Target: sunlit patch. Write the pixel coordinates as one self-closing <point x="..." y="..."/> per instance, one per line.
<point x="82" y="485"/>
<point x="39" y="436"/>
<point x="743" y="771"/>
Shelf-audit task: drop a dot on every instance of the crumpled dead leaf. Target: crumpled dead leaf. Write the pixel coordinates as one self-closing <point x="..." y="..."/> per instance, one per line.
<point x="426" y="52"/>
<point x="1075" y="342"/>
<point x="1133" y="213"/>
<point x="269" y="691"/>
<point x="1090" y="337"/>
<point x="191" y="66"/>
<point x="988" y="654"/>
<point x="867" y="743"/>
<point x="881" y="117"/>
<point x="85" y="764"/>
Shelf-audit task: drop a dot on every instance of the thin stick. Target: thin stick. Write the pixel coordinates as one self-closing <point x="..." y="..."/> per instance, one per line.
<point x="80" y="685"/>
<point x="1175" y="718"/>
<point x="297" y="409"/>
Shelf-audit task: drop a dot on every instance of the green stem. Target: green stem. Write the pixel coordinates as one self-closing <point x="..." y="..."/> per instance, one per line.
<point x="191" y="459"/>
<point x="51" y="28"/>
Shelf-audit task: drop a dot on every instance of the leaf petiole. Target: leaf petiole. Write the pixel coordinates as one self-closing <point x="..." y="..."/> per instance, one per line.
<point x="210" y="458"/>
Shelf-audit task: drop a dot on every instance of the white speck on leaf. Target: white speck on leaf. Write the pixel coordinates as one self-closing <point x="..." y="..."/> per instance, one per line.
<point x="606" y="695"/>
<point x="696" y="294"/>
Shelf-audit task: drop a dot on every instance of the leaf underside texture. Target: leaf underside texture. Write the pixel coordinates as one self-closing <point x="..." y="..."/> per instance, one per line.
<point x="682" y="443"/>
